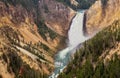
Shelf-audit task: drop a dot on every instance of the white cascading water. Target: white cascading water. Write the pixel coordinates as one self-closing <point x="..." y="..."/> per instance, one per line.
<point x="76" y="37"/>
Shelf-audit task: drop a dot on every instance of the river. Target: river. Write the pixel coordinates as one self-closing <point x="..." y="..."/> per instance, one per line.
<point x="75" y="37"/>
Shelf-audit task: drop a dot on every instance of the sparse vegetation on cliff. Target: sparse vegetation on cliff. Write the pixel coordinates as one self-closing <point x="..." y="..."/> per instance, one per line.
<point x="22" y="30"/>
<point x="10" y="55"/>
<point x="45" y="32"/>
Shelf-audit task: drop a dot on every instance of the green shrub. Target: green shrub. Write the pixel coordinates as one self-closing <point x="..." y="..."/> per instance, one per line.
<point x="43" y="30"/>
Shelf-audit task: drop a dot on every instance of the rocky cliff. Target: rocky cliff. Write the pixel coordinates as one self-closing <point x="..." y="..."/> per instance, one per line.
<point x="30" y="33"/>
<point x="102" y="14"/>
<point x="52" y="12"/>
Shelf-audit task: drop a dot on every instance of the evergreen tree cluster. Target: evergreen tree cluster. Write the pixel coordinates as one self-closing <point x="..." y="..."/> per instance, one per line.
<point x="86" y="62"/>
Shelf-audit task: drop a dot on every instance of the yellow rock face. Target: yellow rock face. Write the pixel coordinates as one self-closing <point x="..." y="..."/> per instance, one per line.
<point x="99" y="16"/>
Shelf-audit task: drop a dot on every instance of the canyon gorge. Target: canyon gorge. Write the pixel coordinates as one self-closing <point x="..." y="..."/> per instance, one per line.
<point x="59" y="38"/>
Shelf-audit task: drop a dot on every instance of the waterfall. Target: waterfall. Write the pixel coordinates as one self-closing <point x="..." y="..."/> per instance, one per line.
<point x="76" y="37"/>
